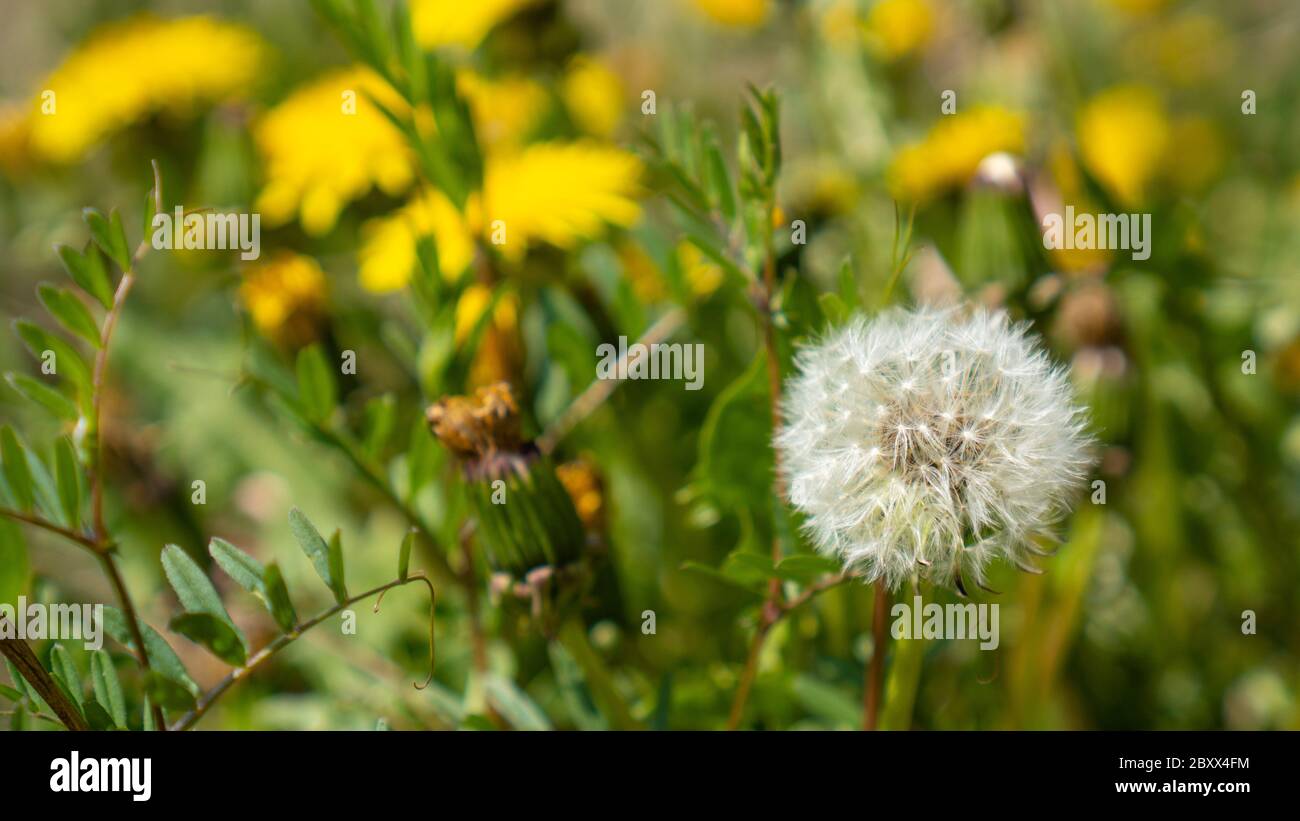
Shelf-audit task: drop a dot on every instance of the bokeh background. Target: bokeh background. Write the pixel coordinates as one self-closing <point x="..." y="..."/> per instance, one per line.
<point x="1109" y="105"/>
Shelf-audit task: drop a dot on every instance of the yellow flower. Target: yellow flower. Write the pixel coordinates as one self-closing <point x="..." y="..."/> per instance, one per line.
<point x="560" y="192"/>
<point x="1069" y="181"/>
<point x="897" y="28"/>
<point x="1123" y="133"/>
<point x="326" y="145"/>
<point x="504" y="110"/>
<point x="703" y="276"/>
<point x="461" y="23"/>
<point x="126" y="71"/>
<point x="387" y="254"/>
<point x="950" y="154"/>
<point x="736" y="13"/>
<point x="593" y="93"/>
<point x="285" y="296"/>
<point x="555" y="192"/>
<point x="642" y="274"/>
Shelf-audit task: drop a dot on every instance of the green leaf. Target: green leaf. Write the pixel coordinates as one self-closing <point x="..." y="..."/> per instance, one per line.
<point x="56" y="403"/>
<point x="805" y="568"/>
<point x="514" y="705"/>
<point x="731" y="581"/>
<point x="109" y="236"/>
<point x="336" y="568"/>
<point x="381" y="414"/>
<point x="277" y="598"/>
<point x="23" y="685"/>
<point x="166" y="692"/>
<point x="70" y="312"/>
<point x="317" y="391"/>
<point x="66" y="672"/>
<point x="720" y="182"/>
<point x="735" y="463"/>
<point x="108" y="690"/>
<point x="16" y="470"/>
<point x="199" y="598"/>
<point x="214" y="633"/>
<point x="15" y="569"/>
<point x="246" y="571"/>
<point x="146" y="713"/>
<point x="10" y="693"/>
<point x="68" y="475"/>
<point x="828" y="702"/>
<point x="67" y="362"/>
<point x="97" y="717"/>
<point x="312" y="544"/>
<point x="162" y="658"/>
<point x="404" y="555"/>
<point x="88" y="271"/>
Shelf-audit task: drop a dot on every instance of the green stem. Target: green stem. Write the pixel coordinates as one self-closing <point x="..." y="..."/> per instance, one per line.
<point x="206" y="701"/>
<point x="573" y="636"/>
<point x="901" y="686"/>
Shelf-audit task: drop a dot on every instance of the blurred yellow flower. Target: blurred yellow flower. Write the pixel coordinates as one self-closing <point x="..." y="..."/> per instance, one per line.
<point x="737" y="13"/>
<point x="461" y="23"/>
<point x="553" y="192"/>
<point x="641" y="273"/>
<point x="582" y="482"/>
<point x="14" y="134"/>
<point x="1138" y="8"/>
<point x="593" y="94"/>
<point x="703" y="276"/>
<point x="1189" y="49"/>
<point x="950" y="154"/>
<point x="327" y="144"/>
<point x="496" y="357"/>
<point x="1069" y="182"/>
<point x="897" y="28"/>
<point x="387" y="254"/>
<point x="285" y="296"/>
<point x="128" y="70"/>
<point x="560" y="192"/>
<point x="504" y="110"/>
<point x="1123" y="133"/>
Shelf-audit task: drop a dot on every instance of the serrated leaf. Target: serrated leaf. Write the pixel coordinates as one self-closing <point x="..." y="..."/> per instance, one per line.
<point x="162" y="658"/>
<point x="317" y="391"/>
<point x="246" y="571"/>
<point x="16" y="470"/>
<point x="214" y="633"/>
<point x="404" y="555"/>
<point x="88" y="270"/>
<point x="167" y="693"/>
<point x="336" y="568"/>
<point x="277" y="598"/>
<point x="67" y="471"/>
<point x="56" y="403"/>
<point x="69" y="311"/>
<point x="514" y="705"/>
<point x="108" y="234"/>
<point x="199" y="597"/>
<point x="312" y="544"/>
<point x="107" y="687"/>
<point x="65" y="672"/>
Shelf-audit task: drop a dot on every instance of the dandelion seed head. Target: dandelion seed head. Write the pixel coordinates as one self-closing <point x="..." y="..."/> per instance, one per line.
<point x="958" y="443"/>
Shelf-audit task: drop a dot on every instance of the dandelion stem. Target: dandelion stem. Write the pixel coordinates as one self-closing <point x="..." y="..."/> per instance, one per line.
<point x="876" y="668"/>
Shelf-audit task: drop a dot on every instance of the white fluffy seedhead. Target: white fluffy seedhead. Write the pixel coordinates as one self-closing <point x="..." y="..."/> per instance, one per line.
<point x="929" y="442"/>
